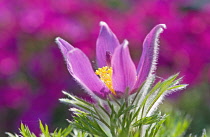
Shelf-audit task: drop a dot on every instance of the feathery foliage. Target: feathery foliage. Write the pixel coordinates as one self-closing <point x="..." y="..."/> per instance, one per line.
<point x="133" y="115"/>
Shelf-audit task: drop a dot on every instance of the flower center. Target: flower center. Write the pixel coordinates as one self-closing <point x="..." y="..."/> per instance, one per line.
<point x="105" y="74"/>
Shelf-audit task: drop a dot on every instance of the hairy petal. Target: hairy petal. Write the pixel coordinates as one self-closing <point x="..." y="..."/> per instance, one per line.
<point x="124" y="71"/>
<point x="82" y="71"/>
<point x="65" y="47"/>
<point x="148" y="61"/>
<point x="106" y="42"/>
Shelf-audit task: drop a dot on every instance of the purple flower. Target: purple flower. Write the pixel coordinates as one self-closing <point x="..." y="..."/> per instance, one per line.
<point x="116" y="73"/>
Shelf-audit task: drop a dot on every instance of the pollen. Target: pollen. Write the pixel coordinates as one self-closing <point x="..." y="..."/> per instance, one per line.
<point x="105" y="74"/>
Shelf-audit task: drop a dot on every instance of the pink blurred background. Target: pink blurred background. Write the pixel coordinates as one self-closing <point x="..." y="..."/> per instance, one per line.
<point x="32" y="69"/>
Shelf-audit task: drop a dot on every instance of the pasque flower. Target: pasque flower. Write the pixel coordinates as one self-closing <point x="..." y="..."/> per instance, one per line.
<point x="116" y="73"/>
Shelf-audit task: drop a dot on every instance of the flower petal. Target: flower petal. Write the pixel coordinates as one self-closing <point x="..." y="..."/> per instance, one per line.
<point x="63" y="45"/>
<point x="148" y="61"/>
<point x="82" y="71"/>
<point x="124" y="71"/>
<point x="107" y="41"/>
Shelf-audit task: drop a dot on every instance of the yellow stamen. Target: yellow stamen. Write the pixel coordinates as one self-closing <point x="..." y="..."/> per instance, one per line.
<point x="105" y="74"/>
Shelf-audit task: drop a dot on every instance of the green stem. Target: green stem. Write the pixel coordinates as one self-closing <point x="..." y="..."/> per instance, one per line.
<point x="100" y="118"/>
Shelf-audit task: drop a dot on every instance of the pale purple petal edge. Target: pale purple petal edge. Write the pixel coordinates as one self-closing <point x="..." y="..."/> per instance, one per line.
<point x="148" y="61"/>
